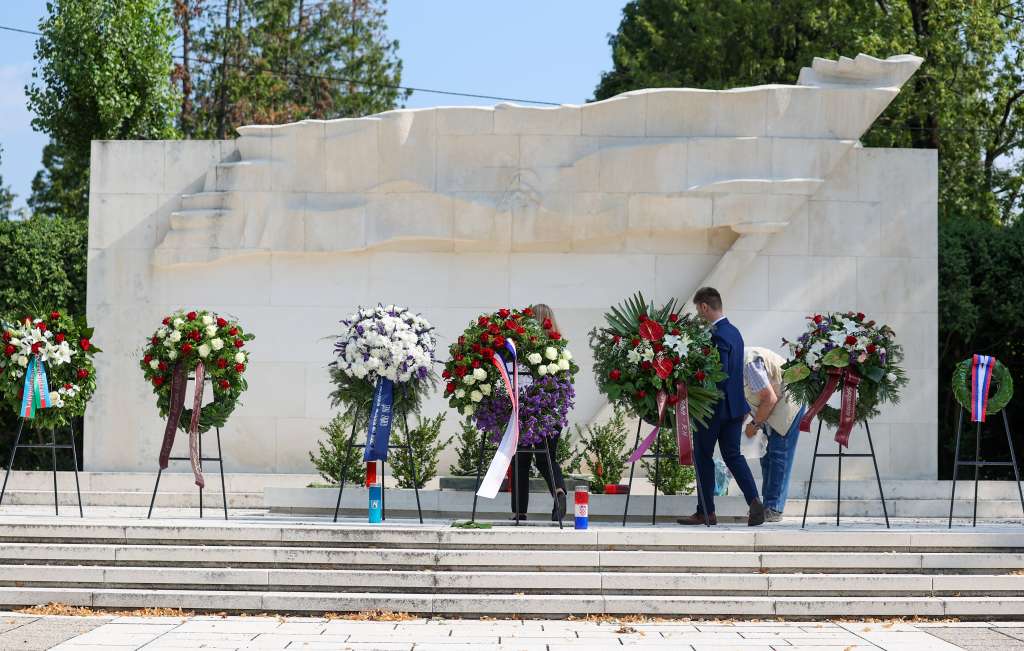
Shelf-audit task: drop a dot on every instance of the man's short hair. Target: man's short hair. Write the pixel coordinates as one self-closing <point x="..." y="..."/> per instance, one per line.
<point x="710" y="296"/>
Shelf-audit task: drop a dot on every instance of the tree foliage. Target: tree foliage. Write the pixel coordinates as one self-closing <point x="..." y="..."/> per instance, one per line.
<point x="6" y="196"/>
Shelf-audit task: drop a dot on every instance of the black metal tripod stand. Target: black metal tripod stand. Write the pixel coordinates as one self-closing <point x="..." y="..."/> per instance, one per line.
<point x="979" y="463"/>
<point x="658" y="456"/>
<point x="383" y="466"/>
<point x="839" y="480"/>
<point x="52" y="446"/>
<point x="515" y="479"/>
<point x="219" y="459"/>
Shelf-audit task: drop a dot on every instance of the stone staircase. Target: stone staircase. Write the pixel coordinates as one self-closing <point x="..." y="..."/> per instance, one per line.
<point x="278" y="567"/>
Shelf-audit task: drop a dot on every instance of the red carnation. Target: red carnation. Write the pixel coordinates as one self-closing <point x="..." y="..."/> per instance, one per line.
<point x="167" y="320"/>
<point x="484" y="338"/>
<point x="82" y="374"/>
<point x="510" y="324"/>
<point x="499" y="341"/>
<point x="494" y="329"/>
<point x="657" y="346"/>
<point x="860" y="316"/>
<point x="503" y="313"/>
<point x="520" y="330"/>
<point x="59" y="338"/>
<point x="635" y="341"/>
<point x="162" y="366"/>
<point x="191" y="316"/>
<point x="221" y="322"/>
<point x="240" y="367"/>
<point x="676" y="331"/>
<point x="147" y="358"/>
<point x="224" y="384"/>
<point x="616" y="339"/>
<point x="640" y="395"/>
<point x="446" y="374"/>
<point x="36" y="346"/>
<point x="450" y="388"/>
<point x="186" y="349"/>
<point x="818" y="318"/>
<point x="699" y="376"/>
<point x="54" y="316"/>
<point x="850" y="340"/>
<point x="614" y="375"/>
<point x="476" y="363"/>
<point x="872" y="348"/>
<point x="461" y="371"/>
<point x="158" y="381"/>
<point x="646" y="365"/>
<point x="528" y="312"/>
<point x="67" y="386"/>
<point x="477" y="348"/>
<point x="8" y="350"/>
<point x="41" y="326"/>
<point x="488" y="352"/>
<point x="483" y="322"/>
<point x="547" y="325"/>
<point x="554" y="334"/>
<point x="673" y="317"/>
<point x="195" y="335"/>
<point x="154" y="340"/>
<point x="222" y="363"/>
<point x="85" y="344"/>
<point x="239" y="343"/>
<point x="459" y="357"/>
<point x="233" y="331"/>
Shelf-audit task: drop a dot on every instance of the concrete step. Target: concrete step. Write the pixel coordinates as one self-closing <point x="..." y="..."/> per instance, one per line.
<point x="520" y="604"/>
<point x="197" y="218"/>
<point x="211" y="498"/>
<point x="547" y="582"/>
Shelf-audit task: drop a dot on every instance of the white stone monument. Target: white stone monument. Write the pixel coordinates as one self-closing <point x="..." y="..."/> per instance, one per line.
<point x="763" y="192"/>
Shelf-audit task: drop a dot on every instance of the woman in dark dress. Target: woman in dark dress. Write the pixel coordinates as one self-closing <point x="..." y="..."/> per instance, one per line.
<point x="543" y="452"/>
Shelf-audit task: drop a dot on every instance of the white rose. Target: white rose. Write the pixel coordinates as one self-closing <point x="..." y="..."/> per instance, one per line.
<point x="207" y="319"/>
<point x="240" y="358"/>
<point x="162" y="333"/>
<point x="542" y="370"/>
<point x="469" y="379"/>
<point x="460" y="393"/>
<point x="566" y="354"/>
<point x="22" y="360"/>
<point x="476" y="396"/>
<point x="204" y="351"/>
<point x="217" y="344"/>
<point x="468" y="410"/>
<point x="154" y="364"/>
<point x="563" y="364"/>
<point x="552" y="368"/>
<point x="175" y="336"/>
<point x="534" y="358"/>
<point x="485" y="389"/>
<point x="211" y="330"/>
<point x="173" y="354"/>
<point x="891" y="377"/>
<point x="178" y="323"/>
<point x="550" y="352"/>
<point x="480" y="374"/>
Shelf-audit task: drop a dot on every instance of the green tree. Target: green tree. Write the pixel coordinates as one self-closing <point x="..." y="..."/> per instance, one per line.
<point x="103" y="71"/>
<point x="334" y="458"/>
<point x="6" y="196"/>
<point x="966" y="100"/>
<point x="276" y="61"/>
<point x="467" y="451"/>
<point x="426" y="445"/>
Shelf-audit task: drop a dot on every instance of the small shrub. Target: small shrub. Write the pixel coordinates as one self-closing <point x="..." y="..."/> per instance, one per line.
<point x="603" y="453"/>
<point x="673" y="477"/>
<point x="467" y="450"/>
<point x="426" y="448"/>
<point x="334" y="457"/>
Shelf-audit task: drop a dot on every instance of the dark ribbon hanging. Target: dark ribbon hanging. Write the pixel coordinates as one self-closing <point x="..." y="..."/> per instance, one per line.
<point x="179" y="385"/>
<point x="684" y="440"/>
<point x="847" y="407"/>
<point x="379" y="432"/>
<point x="819" y="404"/>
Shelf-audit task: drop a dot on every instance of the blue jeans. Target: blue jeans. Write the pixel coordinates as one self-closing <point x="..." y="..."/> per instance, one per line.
<point x="777" y="465"/>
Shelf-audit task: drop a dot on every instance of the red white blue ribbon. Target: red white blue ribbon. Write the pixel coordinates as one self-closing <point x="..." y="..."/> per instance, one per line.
<point x="36" y="390"/>
<point x="491" y="483"/>
<point x="981" y="381"/>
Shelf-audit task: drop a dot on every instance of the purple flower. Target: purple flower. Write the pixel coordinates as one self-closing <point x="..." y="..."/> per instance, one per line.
<point x="543" y="407"/>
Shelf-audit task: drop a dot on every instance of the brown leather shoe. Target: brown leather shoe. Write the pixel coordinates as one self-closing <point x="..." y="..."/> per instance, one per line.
<point x="697" y="518"/>
<point x="756" y="516"/>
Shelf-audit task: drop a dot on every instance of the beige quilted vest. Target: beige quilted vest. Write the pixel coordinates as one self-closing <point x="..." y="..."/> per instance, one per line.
<point x="785" y="410"/>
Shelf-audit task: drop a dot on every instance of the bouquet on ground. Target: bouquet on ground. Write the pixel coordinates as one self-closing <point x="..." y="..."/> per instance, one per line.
<point x="46" y="369"/>
<point x="378" y="348"/>
<point x="475" y="385"/>
<point x="204" y="345"/>
<point x="648" y="359"/>
<point x="847" y="353"/>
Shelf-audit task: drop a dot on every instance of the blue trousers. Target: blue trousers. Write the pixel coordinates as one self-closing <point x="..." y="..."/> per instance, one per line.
<point x="726" y="433"/>
<point x="777" y="465"/>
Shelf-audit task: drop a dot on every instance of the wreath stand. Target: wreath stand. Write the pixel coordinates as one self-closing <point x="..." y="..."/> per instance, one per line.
<point x="839" y="481"/>
<point x="657" y="456"/>
<point x="515" y="477"/>
<point x="978" y="463"/>
<point x="383" y="466"/>
<point x="52" y="446"/>
<point x="219" y="459"/>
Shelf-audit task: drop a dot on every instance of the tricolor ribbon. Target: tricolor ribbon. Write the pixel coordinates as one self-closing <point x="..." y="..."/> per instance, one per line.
<point x="36" y="391"/>
<point x="683" y="437"/>
<point x="491" y="483"/>
<point x="819" y="404"/>
<point x="179" y="385"/>
<point x="982" y="367"/>
<point x="379" y="433"/>
<point x="847" y="407"/>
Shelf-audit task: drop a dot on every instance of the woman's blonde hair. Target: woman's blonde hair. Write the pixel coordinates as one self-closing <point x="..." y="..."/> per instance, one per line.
<point x="543" y="311"/>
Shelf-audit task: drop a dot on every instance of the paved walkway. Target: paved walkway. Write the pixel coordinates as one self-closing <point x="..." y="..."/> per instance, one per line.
<point x="166" y="633"/>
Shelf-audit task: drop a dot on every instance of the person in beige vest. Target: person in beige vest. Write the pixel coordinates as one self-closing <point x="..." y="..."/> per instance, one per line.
<point x="771" y="406"/>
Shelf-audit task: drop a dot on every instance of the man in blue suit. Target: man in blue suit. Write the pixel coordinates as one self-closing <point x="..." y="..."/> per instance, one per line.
<point x="727" y="420"/>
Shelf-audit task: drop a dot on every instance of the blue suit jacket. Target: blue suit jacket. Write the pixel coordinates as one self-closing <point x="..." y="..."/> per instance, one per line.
<point x="729" y="342"/>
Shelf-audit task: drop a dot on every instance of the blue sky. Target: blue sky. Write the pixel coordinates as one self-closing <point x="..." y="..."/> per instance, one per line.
<point x="530" y="49"/>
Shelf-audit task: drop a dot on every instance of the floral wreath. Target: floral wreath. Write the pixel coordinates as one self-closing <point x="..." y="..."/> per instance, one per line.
<point x="833" y="342"/>
<point x="384" y="341"/>
<point x="997" y="401"/>
<point x="645" y="351"/>
<point x="186" y="338"/>
<point x="63" y="345"/>
<point x="474" y="386"/>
